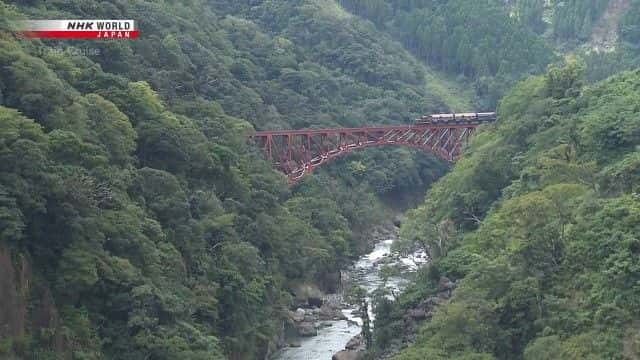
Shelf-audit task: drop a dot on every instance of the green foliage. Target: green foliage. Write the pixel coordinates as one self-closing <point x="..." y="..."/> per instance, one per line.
<point x="548" y="266"/>
<point x="564" y="81"/>
<point x="531" y="13"/>
<point x="575" y="19"/>
<point x="479" y="40"/>
<point x="629" y="27"/>
<point x="602" y="64"/>
<point x="153" y="231"/>
<point x="127" y="182"/>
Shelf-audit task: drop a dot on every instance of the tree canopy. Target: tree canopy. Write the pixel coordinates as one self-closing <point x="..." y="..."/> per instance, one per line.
<point x="545" y="241"/>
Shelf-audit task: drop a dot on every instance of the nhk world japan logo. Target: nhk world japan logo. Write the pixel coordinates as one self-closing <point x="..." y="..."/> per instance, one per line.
<point x="77" y="29"/>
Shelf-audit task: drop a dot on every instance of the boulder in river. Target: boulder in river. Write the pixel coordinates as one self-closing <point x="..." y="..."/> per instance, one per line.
<point x="356" y="343"/>
<point x="298" y="315"/>
<point x="348" y="355"/>
<point x="306" y="328"/>
<point x="331" y="313"/>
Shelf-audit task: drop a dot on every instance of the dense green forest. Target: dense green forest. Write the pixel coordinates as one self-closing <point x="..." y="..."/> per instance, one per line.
<point x="476" y="40"/>
<point x="605" y="33"/>
<point x="136" y="220"/>
<point x="626" y="55"/>
<point x="574" y="20"/>
<point x="538" y="224"/>
<point x="491" y="44"/>
<point x="544" y="244"/>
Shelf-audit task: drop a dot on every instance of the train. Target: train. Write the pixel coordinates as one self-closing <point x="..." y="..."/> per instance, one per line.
<point x="457" y="118"/>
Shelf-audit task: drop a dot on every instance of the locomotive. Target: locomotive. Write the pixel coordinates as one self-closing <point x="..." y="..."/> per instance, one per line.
<point x="458" y="118"/>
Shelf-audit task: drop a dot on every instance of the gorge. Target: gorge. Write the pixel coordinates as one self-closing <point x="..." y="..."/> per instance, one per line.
<point x="136" y="221"/>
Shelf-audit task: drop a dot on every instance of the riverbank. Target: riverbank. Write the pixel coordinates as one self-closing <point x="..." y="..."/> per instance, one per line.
<point x="331" y="329"/>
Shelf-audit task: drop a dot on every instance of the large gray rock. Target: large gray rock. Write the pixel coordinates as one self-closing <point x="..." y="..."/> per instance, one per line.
<point x="348" y="355"/>
<point x="331" y="313"/>
<point x="298" y="315"/>
<point x="306" y="328"/>
<point x="356" y="343"/>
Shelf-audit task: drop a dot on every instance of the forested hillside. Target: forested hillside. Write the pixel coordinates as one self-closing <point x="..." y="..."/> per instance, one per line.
<point x="135" y="220"/>
<point x="541" y="222"/>
<point x="476" y="40"/>
<point x="603" y="32"/>
<point x="626" y="53"/>
<point x="492" y="44"/>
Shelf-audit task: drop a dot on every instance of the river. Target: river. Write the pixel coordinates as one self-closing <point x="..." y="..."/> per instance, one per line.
<point x="365" y="272"/>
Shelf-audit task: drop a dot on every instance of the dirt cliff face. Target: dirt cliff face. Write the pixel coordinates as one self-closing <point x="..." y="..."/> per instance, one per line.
<point x="24" y="309"/>
<point x="14" y="290"/>
<point x="605" y="33"/>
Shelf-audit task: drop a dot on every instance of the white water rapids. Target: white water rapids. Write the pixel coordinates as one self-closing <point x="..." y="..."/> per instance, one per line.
<point x="365" y="273"/>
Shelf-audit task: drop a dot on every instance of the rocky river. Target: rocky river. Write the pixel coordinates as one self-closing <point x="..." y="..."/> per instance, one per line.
<point x="332" y="329"/>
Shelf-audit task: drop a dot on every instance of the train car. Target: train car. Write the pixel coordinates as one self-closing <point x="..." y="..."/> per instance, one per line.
<point x="464" y="117"/>
<point x="442" y="118"/>
<point x="487" y="115"/>
<point x="456" y="118"/>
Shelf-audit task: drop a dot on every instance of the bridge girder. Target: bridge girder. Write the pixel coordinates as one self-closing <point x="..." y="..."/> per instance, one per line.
<point x="298" y="152"/>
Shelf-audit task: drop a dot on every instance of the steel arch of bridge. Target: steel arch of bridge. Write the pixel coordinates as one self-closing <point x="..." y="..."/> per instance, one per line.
<point x="298" y="152"/>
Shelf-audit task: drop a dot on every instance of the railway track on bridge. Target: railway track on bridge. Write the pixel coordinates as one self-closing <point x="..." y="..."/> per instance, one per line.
<point x="298" y="152"/>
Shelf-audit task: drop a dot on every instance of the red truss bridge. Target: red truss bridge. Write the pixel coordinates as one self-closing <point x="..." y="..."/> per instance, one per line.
<point x="298" y="152"/>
